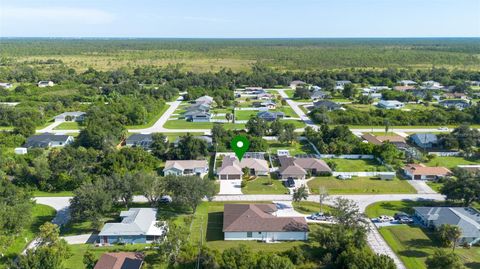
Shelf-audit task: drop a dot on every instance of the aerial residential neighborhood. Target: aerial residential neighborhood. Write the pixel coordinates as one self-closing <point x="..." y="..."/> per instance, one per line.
<point x="240" y="134"/>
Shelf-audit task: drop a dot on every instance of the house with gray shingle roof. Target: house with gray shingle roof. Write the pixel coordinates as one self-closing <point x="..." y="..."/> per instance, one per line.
<point x="77" y="116"/>
<point x="185" y="167"/>
<point x="298" y="168"/>
<point x="47" y="140"/>
<point x="138" y="225"/>
<point x="260" y="222"/>
<point x="139" y="140"/>
<point x="270" y="115"/>
<point x="424" y="140"/>
<point x="466" y="218"/>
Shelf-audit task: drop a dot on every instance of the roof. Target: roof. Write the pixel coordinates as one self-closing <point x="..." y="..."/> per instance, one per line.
<point x="72" y="114"/>
<point x="403" y="88"/>
<point x="44" y="140"/>
<point x="298" y="166"/>
<point x="378" y="140"/>
<point x="467" y="218"/>
<point x="387" y="103"/>
<point x="470" y="167"/>
<point x="136" y="221"/>
<point x="327" y="104"/>
<point x="259" y="218"/>
<point x="204" y="99"/>
<point x="297" y="82"/>
<point x="269" y="114"/>
<point x="231" y="165"/>
<point x="421" y="169"/>
<point x="407" y="82"/>
<point x="137" y="138"/>
<point x="120" y="260"/>
<point x="185" y="164"/>
<point x="424" y="138"/>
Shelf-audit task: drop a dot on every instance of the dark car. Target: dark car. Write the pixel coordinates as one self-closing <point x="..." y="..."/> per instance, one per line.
<point x="289" y="183"/>
<point x="400" y="215"/>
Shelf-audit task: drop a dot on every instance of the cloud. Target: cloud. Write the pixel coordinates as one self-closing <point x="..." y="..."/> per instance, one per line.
<point x="64" y="15"/>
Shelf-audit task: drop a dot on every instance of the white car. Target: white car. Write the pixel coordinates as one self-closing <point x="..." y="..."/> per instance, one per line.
<point x="443" y="128"/>
<point x="384" y="218"/>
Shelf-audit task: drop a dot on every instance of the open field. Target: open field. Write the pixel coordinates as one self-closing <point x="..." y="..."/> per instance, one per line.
<point x="40" y="215"/>
<point x="300" y="147"/>
<point x="450" y="162"/>
<point x="359" y="185"/>
<point x="356" y="165"/>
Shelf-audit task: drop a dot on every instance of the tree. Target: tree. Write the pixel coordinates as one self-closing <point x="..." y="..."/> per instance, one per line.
<point x="190" y="148"/>
<point x="159" y="145"/>
<point x="365" y="259"/>
<point x="323" y="194"/>
<point x="387" y="152"/>
<point x="300" y="194"/>
<point x="449" y="235"/>
<point x="276" y="127"/>
<point x="301" y="93"/>
<point x="257" y="127"/>
<point x="465" y="186"/>
<point x="151" y="186"/>
<point x="442" y="259"/>
<point x="189" y="190"/>
<point x="24" y="126"/>
<point x="229" y="117"/>
<point x="348" y="90"/>
<point x="239" y="257"/>
<point x="124" y="186"/>
<point x="91" y="202"/>
<point x="288" y="134"/>
<point x="89" y="259"/>
<point x="273" y="261"/>
<point x="346" y="213"/>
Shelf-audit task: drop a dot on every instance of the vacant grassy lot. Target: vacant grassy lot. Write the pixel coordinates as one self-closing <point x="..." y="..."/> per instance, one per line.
<point x="413" y="245"/>
<point x="356" y="165"/>
<point x="450" y="162"/>
<point x="264" y="185"/>
<point x="390" y="208"/>
<point x="71" y="125"/>
<point x="360" y="185"/>
<point x="299" y="147"/>
<point x="41" y="214"/>
<point x="307" y="207"/>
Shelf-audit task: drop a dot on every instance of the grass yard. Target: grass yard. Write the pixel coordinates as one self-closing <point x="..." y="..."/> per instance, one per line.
<point x="360" y="185"/>
<point x="307" y="207"/>
<point x="299" y="147"/>
<point x="151" y="121"/>
<point x="390" y="208"/>
<point x="356" y="165"/>
<point x="173" y="136"/>
<point x="245" y="114"/>
<point x="41" y="214"/>
<point x="450" y="162"/>
<point x="414" y="244"/>
<point x="183" y="124"/>
<point x="261" y="185"/>
<point x="52" y="194"/>
<point x="70" y="125"/>
<point x="436" y="186"/>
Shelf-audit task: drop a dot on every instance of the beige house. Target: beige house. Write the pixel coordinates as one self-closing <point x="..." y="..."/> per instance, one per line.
<point x="422" y="172"/>
<point x="231" y="168"/>
<point x="185" y="167"/>
<point x="298" y="168"/>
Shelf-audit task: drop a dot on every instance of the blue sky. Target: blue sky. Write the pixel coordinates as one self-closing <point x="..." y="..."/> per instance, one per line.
<point x="240" y="18"/>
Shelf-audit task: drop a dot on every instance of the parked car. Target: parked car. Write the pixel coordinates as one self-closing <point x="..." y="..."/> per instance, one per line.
<point x="343" y="177"/>
<point x="384" y="218"/>
<point x="405" y="220"/>
<point x="317" y="216"/>
<point x="289" y="183"/>
<point x="400" y="215"/>
<point x="166" y="199"/>
<point x="443" y="128"/>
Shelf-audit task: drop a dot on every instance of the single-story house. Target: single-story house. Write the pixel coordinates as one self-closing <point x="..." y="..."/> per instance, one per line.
<point x="200" y="107"/>
<point x="252" y="90"/>
<point x="47" y="140"/>
<point x="185" y="167"/>
<point x="21" y="151"/>
<point x="269" y="104"/>
<point x="456" y="95"/>
<point x="139" y="140"/>
<point x="264" y="96"/>
<point x="120" y="260"/>
<point x="397" y="140"/>
<point x="406" y="82"/>
<point x="296" y="83"/>
<point x="431" y="85"/>
<point x="458" y="104"/>
<point x="424" y="140"/>
<point x="422" y="172"/>
<point x="45" y="83"/>
<point x="466" y="218"/>
<point x="283" y="152"/>
<point x="232" y="168"/>
<point x="259" y="222"/>
<point x="404" y="88"/>
<point x="328" y="105"/>
<point x="298" y="168"/>
<point x="472" y="168"/>
<point x="474" y="83"/>
<point x="199" y="117"/>
<point x="270" y="116"/>
<point x="70" y="116"/>
<point x="318" y="95"/>
<point x="138" y="225"/>
<point x="5" y="85"/>
<point x="206" y="138"/>
<point x="390" y="104"/>
<point x="340" y="84"/>
<point x="315" y="88"/>
<point x="204" y="99"/>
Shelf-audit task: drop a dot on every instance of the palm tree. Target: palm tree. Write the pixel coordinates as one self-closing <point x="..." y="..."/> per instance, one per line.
<point x="300" y="194"/>
<point x="450" y="234"/>
<point x="323" y="194"/>
<point x="228" y="116"/>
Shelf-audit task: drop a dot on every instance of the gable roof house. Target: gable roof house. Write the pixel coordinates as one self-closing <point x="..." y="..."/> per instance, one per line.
<point x="139" y="140"/>
<point x="424" y="140"/>
<point x="397" y="140"/>
<point x="45" y="83"/>
<point x="404" y="88"/>
<point x="270" y="116"/>
<point x="185" y="167"/>
<point x="70" y="116"/>
<point x="328" y="105"/>
<point x="296" y="83"/>
<point x="318" y="95"/>
<point x="120" y="260"/>
<point x="390" y="104"/>
<point x="456" y="95"/>
<point x="198" y="116"/>
<point x="204" y="99"/>
<point x="458" y="104"/>
<point x="422" y="172"/>
<point x="466" y="218"/>
<point x="471" y="168"/>
<point x="406" y="82"/>
<point x="431" y="85"/>
<point x="264" y="96"/>
<point x="298" y="168"/>
<point x="259" y="222"/>
<point x="47" y="140"/>
<point x="232" y="168"/>
<point x="138" y="225"/>
<point x="269" y="104"/>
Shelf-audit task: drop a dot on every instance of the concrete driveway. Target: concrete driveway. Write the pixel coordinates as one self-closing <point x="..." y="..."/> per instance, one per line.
<point x="421" y="186"/>
<point x="81" y="239"/>
<point x="230" y="187"/>
<point x="285" y="209"/>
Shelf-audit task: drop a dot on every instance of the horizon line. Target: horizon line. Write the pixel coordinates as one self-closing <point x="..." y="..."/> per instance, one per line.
<point x="172" y="37"/>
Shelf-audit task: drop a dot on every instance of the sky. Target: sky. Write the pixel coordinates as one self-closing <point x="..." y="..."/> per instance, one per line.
<point x="239" y="18"/>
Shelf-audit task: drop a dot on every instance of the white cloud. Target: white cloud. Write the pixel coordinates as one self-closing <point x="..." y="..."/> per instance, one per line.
<point x="55" y="15"/>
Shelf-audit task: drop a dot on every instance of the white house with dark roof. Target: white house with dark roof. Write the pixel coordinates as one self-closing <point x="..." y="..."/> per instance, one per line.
<point x="260" y="222"/>
<point x="297" y="83"/>
<point x="138" y="225"/>
<point x="390" y="104"/>
<point x="47" y="140"/>
<point x="77" y="116"/>
<point x="185" y="167"/>
<point x="139" y="140"/>
<point x="45" y="83"/>
<point x="466" y="218"/>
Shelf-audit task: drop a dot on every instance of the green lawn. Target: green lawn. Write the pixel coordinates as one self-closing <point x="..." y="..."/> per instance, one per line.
<point x="52" y="194"/>
<point x="436" y="186"/>
<point x="307" y="207"/>
<point x="300" y="147"/>
<point x="152" y="120"/>
<point x="450" y="162"/>
<point x="356" y="165"/>
<point x="413" y="245"/>
<point x="183" y="124"/>
<point x="261" y="185"/>
<point x="41" y="214"/>
<point x="173" y="136"/>
<point x="69" y="125"/>
<point x="360" y="185"/>
<point x="390" y="208"/>
<point x="289" y="112"/>
<point x="245" y="114"/>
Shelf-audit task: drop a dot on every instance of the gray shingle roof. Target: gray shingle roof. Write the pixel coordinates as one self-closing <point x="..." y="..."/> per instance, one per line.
<point x="425" y="138"/>
<point x="135" y="221"/>
<point x="44" y="140"/>
<point x="467" y="218"/>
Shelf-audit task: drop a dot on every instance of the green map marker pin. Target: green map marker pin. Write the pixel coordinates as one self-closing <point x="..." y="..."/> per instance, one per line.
<point x="240" y="145"/>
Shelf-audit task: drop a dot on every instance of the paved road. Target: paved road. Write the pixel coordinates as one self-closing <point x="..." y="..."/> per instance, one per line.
<point x="297" y="109"/>
<point x="380" y="246"/>
<point x="49" y="128"/>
